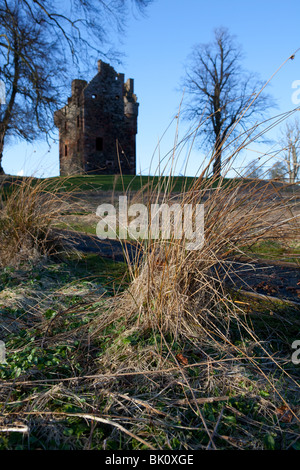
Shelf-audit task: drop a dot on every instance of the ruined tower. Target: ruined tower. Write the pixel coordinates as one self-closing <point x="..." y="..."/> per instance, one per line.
<point x="98" y="126"/>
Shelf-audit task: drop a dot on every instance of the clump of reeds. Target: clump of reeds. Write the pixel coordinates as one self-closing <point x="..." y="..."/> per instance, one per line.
<point x="179" y="298"/>
<point x="182" y="292"/>
<point x="28" y="209"/>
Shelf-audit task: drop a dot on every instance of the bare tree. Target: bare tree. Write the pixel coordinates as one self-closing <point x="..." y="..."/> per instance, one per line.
<point x="291" y="150"/>
<point x="277" y="171"/>
<point x="221" y="91"/>
<point x="253" y="170"/>
<point x="29" y="74"/>
<point x="40" y="41"/>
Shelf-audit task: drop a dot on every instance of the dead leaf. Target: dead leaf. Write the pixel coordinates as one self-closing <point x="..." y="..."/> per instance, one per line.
<point x="183" y="360"/>
<point x="284" y="414"/>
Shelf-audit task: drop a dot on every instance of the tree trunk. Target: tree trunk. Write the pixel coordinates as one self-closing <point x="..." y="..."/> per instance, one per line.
<point x="1" y="156"/>
<point x="217" y="165"/>
<point x="295" y="163"/>
<point x="4" y="124"/>
<point x="217" y="158"/>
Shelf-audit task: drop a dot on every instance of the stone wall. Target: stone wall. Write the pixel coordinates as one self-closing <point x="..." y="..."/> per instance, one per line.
<point x="98" y="126"/>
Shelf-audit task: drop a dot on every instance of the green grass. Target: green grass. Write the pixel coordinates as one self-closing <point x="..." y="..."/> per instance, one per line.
<point x="120" y="182"/>
<point x="78" y="227"/>
<point x="272" y="249"/>
<point x="110" y="182"/>
<point x="103" y="182"/>
<point x="276" y="321"/>
<point x="46" y="367"/>
<point x="117" y="183"/>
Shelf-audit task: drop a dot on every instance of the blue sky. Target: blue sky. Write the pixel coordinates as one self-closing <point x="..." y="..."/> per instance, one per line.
<point x="156" y="47"/>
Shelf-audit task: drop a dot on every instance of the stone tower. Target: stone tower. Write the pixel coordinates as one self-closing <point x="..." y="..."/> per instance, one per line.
<point x="98" y="126"/>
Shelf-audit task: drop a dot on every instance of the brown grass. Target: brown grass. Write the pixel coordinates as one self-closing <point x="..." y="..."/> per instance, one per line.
<point x="167" y="362"/>
<point x="179" y="297"/>
<point x="28" y="209"/>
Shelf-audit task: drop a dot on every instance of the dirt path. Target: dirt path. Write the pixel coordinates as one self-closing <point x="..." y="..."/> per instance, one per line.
<point x="265" y="277"/>
<point x="112" y="249"/>
<point x="281" y="280"/>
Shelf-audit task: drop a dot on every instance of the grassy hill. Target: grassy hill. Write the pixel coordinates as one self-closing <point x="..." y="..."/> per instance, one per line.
<point x="111" y="182"/>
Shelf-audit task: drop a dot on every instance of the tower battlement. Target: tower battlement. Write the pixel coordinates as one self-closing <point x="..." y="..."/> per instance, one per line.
<point x="98" y="126"/>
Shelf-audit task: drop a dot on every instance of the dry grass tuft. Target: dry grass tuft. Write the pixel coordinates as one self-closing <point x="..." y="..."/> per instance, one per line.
<point x="182" y="292"/>
<point x="28" y="209"/>
<point x="202" y="343"/>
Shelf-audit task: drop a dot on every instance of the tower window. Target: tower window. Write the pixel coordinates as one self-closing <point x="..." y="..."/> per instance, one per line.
<point x="66" y="150"/>
<point x="99" y="144"/>
<point x="78" y="121"/>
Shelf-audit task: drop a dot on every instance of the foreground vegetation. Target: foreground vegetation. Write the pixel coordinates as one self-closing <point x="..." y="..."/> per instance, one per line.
<point x="152" y="354"/>
<point x="65" y="387"/>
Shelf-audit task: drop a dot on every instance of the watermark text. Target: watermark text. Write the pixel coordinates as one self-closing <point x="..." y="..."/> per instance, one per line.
<point x="156" y="221"/>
